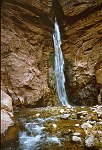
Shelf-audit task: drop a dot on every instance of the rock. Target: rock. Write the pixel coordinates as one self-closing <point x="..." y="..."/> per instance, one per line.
<point x="6" y="112"/>
<point x="90" y="141"/>
<point x="76" y="139"/>
<point x="6" y="121"/>
<point x="6" y="102"/>
<point x="65" y="116"/>
<point x="62" y="111"/>
<point x="69" y="106"/>
<point x="54" y="125"/>
<point x="86" y="125"/>
<point x="37" y="115"/>
<point x="93" y="122"/>
<point x="98" y="72"/>
<point x="76" y="125"/>
<point x="76" y="134"/>
<point x="73" y="116"/>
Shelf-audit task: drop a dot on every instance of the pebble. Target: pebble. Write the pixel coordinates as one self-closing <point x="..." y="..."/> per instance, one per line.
<point x="82" y="107"/>
<point x="37" y="115"/>
<point x="76" y="139"/>
<point x="76" y="125"/>
<point x="89" y="142"/>
<point x="93" y="122"/>
<point x="54" y="125"/>
<point x="68" y="106"/>
<point x="65" y="116"/>
<point x="81" y="117"/>
<point x="77" y="134"/>
<point x="84" y="112"/>
<point x="62" y="111"/>
<point x="98" y="132"/>
<point x="86" y="125"/>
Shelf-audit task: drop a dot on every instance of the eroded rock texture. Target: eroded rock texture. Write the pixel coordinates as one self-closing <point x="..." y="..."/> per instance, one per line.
<point x="82" y="48"/>
<point x="26" y="46"/>
<point x="28" y="53"/>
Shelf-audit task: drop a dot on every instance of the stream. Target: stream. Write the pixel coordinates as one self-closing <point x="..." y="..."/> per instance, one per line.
<point x="50" y="128"/>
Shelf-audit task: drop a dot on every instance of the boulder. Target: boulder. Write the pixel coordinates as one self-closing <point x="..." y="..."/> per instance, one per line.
<point x="6" y="121"/>
<point x="6" y="112"/>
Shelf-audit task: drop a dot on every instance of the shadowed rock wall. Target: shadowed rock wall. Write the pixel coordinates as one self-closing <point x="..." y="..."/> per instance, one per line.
<point x="82" y="48"/>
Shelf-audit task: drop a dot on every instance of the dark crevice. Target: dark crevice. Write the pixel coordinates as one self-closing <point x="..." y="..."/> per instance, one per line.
<point x="88" y="49"/>
<point x="78" y="4"/>
<point x="58" y="12"/>
<point x="27" y="87"/>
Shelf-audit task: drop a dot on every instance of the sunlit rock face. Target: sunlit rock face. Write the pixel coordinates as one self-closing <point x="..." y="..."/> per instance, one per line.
<point x="6" y="112"/>
<point x="26" y="45"/>
<point x="28" y="51"/>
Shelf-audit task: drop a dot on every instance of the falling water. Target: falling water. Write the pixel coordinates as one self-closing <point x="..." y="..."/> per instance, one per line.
<point x="59" y="66"/>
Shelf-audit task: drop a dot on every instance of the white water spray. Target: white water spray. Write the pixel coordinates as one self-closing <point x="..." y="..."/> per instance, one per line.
<point x="59" y="66"/>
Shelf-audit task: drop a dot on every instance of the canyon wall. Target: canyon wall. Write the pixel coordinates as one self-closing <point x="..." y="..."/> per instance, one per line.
<point x="27" y="60"/>
<point x="82" y="48"/>
<point x="26" y="48"/>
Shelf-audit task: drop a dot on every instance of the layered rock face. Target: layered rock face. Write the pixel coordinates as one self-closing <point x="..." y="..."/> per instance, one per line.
<point x="28" y="52"/>
<point x="26" y="46"/>
<point x="82" y="48"/>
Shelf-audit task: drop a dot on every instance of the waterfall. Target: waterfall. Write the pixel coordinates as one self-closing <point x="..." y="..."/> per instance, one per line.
<point x="59" y="66"/>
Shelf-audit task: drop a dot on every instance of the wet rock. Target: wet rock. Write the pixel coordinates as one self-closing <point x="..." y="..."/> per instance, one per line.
<point x="65" y="117"/>
<point x="54" y="125"/>
<point x="62" y="111"/>
<point x="6" y="121"/>
<point x="76" y="139"/>
<point x="86" y="125"/>
<point x="37" y="115"/>
<point x="77" y="125"/>
<point x="76" y="134"/>
<point x="90" y="141"/>
<point x="6" y="102"/>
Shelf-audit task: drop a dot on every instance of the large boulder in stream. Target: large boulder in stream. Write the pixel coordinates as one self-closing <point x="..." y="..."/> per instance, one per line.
<point x="27" y="69"/>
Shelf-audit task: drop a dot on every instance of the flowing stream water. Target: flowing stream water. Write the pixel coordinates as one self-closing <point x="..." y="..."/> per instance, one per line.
<point x="51" y="128"/>
<point x="59" y="66"/>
